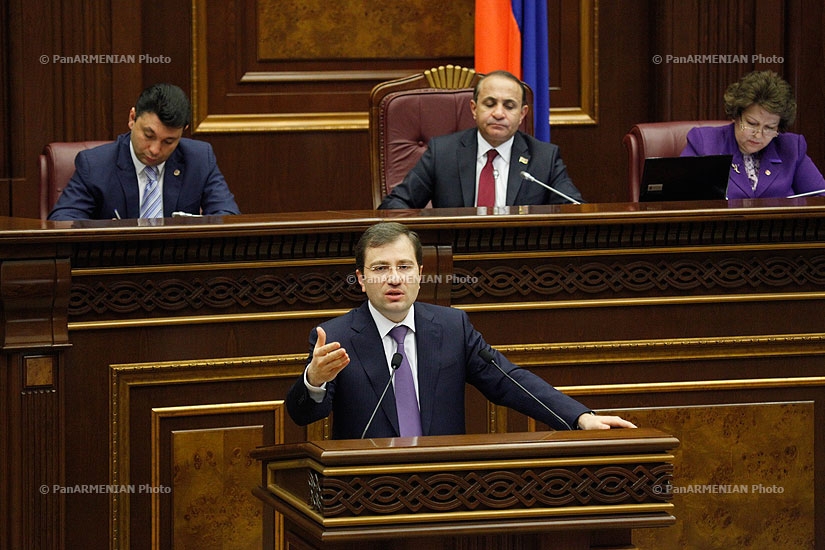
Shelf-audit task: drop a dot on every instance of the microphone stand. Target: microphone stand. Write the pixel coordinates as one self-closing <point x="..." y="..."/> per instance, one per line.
<point x="808" y="194"/>
<point x="529" y="177"/>
<point x="488" y="357"/>
<point x="394" y="363"/>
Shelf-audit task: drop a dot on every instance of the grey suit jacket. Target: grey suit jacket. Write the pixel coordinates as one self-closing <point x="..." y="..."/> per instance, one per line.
<point x="446" y="174"/>
<point x="447" y="349"/>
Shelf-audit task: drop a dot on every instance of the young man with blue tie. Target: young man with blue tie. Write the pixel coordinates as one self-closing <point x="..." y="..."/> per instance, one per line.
<point x="150" y="171"/>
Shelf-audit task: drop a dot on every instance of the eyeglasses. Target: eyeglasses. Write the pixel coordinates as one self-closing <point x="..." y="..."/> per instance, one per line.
<point x="769" y="133"/>
<point x="384" y="270"/>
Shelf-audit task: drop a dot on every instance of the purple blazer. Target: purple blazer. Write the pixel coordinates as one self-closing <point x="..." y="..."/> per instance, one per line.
<point x="785" y="168"/>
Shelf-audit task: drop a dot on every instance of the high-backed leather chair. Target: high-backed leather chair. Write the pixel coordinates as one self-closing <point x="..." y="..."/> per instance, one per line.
<point x="57" y="168"/>
<point x="656" y="139"/>
<point x="407" y="112"/>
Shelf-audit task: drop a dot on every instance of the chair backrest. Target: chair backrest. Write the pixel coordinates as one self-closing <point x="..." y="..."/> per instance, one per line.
<point x="57" y="168"/>
<point x="406" y="113"/>
<point x="656" y="139"/>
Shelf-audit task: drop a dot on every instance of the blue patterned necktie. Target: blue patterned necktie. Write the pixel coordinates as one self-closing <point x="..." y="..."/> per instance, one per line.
<point x="152" y="205"/>
<point x="409" y="416"/>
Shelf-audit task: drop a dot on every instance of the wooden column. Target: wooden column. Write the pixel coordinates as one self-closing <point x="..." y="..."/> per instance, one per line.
<point x="33" y="331"/>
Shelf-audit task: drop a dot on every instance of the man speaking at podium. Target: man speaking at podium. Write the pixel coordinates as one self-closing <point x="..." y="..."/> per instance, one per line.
<point x="393" y="367"/>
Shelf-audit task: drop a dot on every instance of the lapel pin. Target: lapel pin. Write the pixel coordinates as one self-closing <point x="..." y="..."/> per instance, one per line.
<point x="522" y="160"/>
<point x="735" y="168"/>
<point x="767" y="172"/>
<point x="177" y="172"/>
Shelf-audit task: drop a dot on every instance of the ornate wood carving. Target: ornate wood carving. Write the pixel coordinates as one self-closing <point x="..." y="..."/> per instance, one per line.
<point x="495" y="489"/>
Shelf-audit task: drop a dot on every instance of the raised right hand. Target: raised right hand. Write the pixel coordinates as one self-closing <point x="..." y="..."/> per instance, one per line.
<point x="327" y="360"/>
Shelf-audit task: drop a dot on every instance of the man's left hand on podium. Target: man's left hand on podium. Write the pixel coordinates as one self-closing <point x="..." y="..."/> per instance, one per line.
<point x="590" y="421"/>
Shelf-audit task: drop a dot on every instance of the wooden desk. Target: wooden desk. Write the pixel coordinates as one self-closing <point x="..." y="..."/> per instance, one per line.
<point x="156" y="356"/>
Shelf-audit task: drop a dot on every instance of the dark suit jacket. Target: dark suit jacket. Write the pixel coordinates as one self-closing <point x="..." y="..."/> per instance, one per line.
<point x="105" y="181"/>
<point x="785" y="168"/>
<point x="447" y="347"/>
<point x="446" y="174"/>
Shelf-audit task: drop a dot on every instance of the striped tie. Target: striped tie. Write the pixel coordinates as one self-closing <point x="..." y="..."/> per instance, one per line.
<point x="152" y="205"/>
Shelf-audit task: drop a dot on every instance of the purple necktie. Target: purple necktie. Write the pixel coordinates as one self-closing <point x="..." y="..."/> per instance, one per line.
<point x="409" y="418"/>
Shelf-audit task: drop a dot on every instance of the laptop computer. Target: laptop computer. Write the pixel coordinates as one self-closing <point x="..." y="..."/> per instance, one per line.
<point x="685" y="178"/>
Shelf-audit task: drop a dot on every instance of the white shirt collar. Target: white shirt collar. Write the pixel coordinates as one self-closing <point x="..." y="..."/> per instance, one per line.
<point x="139" y="166"/>
<point x="384" y="325"/>
<point x="504" y="150"/>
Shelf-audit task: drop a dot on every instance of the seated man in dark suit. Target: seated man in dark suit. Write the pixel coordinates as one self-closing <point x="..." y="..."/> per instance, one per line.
<point x="149" y="172"/>
<point x="433" y="350"/>
<point x="451" y="172"/>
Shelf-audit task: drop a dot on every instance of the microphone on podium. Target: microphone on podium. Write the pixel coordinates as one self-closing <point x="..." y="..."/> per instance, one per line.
<point x="488" y="357"/>
<point x="395" y="362"/>
<point x="808" y="194"/>
<point x="529" y="177"/>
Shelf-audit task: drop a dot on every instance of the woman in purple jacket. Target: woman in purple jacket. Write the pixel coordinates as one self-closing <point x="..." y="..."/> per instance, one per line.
<point x="767" y="160"/>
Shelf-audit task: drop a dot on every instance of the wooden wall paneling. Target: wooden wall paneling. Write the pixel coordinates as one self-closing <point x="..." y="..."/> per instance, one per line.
<point x="309" y="115"/>
<point x="742" y="456"/>
<point x="573" y="38"/>
<point x="743" y="36"/>
<point x="32" y="93"/>
<point x="127" y="78"/>
<point x="743" y="431"/>
<point x="805" y="48"/>
<point x="60" y="95"/>
<point x="593" y="154"/>
<point x="5" y="112"/>
<point x="82" y="98"/>
<point x="192" y="479"/>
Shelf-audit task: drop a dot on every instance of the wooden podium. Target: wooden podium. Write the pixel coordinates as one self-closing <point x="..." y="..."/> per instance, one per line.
<point x="518" y="490"/>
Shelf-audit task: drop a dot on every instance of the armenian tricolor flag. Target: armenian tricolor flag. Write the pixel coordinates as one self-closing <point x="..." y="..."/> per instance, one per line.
<point x="512" y="35"/>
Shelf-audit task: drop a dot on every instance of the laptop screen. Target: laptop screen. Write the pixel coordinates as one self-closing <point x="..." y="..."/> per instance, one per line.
<point x="685" y="178"/>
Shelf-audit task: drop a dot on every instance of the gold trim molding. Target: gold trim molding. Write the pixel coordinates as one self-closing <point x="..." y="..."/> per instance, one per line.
<point x="586" y="113"/>
<point x="666" y="349"/>
<point x="374" y="469"/>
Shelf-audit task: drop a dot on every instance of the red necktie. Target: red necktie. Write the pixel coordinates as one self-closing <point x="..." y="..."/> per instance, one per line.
<point x="487" y="183"/>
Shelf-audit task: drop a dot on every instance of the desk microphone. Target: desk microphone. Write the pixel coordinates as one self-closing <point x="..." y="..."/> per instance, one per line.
<point x="808" y="194"/>
<point x="394" y="363"/>
<point x="488" y="357"/>
<point x="529" y="177"/>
